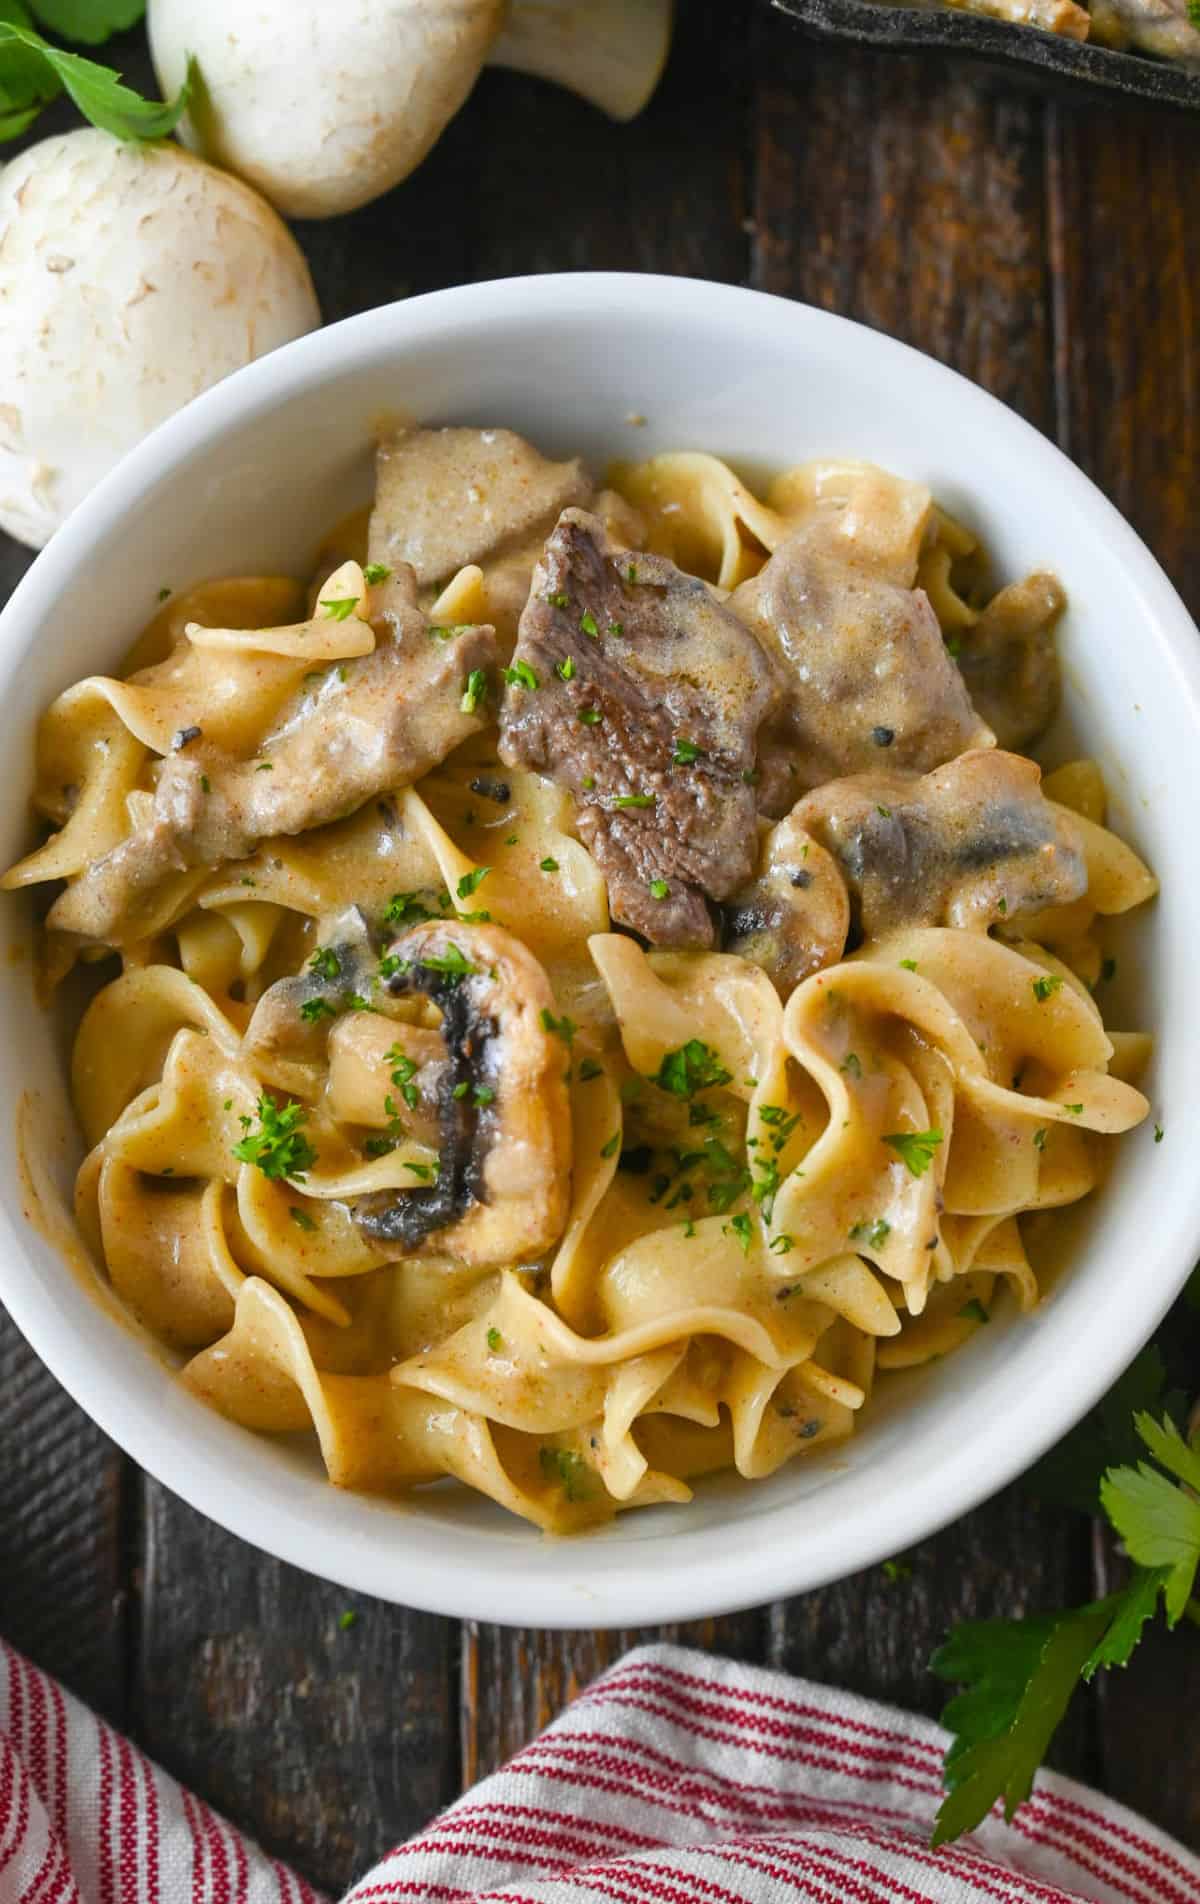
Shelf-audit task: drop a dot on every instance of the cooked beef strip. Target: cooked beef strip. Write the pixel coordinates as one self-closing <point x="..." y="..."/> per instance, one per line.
<point x="668" y="664"/>
<point x="969" y="844"/>
<point x="862" y="666"/>
<point x="445" y="498"/>
<point x="1009" y="663"/>
<point x="396" y="715"/>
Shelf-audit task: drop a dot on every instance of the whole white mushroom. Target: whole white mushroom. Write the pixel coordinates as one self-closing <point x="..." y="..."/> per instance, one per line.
<point x="131" y="278"/>
<point x="322" y="107"/>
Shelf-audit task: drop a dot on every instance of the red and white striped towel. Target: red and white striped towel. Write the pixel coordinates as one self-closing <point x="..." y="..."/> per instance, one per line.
<point x="674" y="1779"/>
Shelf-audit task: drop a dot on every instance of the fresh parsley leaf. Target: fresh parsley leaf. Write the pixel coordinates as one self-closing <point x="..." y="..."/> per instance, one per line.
<point x="564" y="1027"/>
<point x="908" y="965"/>
<point x="876" y="1233"/>
<point x="278" y="1147"/>
<point x="640" y="800"/>
<point x="565" y="670"/>
<point x="1159" y="1520"/>
<point x="743" y="1230"/>
<point x="692" y="1067"/>
<point x="851" y="1065"/>
<point x="471" y="882"/>
<point x="915" y="1148"/>
<point x="686" y="753"/>
<point x="475" y="691"/>
<point x="589" y="716"/>
<point x="547" y="865"/>
<point x="339" y="607"/>
<point x="569" y="1470"/>
<point x="325" y="963"/>
<point x="87" y="22"/>
<point x="301" y="1218"/>
<point x="314" y="1009"/>
<point x="495" y="1341"/>
<point x="587" y="621"/>
<point x="452" y="963"/>
<point x="1019" y="1675"/>
<point x="589" y="1069"/>
<point x="346" y="1620"/>
<point x="974" y="1311"/>
<point x="611" y="1147"/>
<point x="376" y="572"/>
<point x="521" y="675"/>
<point x="1046" y="986"/>
<point x="659" y="889"/>
<point x="37" y="71"/>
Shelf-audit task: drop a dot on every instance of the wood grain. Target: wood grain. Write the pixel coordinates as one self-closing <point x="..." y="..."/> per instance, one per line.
<point x="327" y="1739"/>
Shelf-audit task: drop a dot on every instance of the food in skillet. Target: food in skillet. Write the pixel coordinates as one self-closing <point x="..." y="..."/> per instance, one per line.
<point x="590" y="984"/>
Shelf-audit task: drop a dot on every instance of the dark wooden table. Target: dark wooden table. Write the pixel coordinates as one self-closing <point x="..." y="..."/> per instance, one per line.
<point x="1049" y="250"/>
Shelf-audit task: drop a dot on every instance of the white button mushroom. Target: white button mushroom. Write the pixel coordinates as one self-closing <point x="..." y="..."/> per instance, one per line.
<point x="322" y="107"/>
<point x="131" y="278"/>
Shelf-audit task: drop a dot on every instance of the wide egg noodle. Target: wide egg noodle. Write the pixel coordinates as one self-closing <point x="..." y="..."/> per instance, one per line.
<point x="739" y="1259"/>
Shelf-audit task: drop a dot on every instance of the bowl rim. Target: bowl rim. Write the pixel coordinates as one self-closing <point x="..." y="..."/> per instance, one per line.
<point x="436" y="1580"/>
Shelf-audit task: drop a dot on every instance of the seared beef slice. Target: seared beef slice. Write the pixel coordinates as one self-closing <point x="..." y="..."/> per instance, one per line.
<point x="631" y="683"/>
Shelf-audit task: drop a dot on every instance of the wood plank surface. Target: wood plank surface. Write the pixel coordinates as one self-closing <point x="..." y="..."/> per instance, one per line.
<point x="1049" y="253"/>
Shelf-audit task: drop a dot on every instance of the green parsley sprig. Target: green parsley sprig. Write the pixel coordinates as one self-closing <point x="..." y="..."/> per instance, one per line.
<point x="33" y="71"/>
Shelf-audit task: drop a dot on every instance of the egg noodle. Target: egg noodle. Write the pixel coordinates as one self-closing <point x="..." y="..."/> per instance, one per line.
<point x="390" y="1134"/>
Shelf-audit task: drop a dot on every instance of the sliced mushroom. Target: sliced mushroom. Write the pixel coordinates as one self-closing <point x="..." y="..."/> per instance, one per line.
<point x="1009" y="663"/>
<point x="792" y="918"/>
<point x="971" y="844"/>
<point x="503" y="1182"/>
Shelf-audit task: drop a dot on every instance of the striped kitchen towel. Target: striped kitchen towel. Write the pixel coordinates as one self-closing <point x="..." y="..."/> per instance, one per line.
<point x="674" y="1779"/>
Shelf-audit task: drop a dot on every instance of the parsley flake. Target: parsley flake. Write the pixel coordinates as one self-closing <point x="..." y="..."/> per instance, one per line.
<point x="914" y="1148"/>
<point x="686" y="753"/>
<point x="340" y="607"/>
<point x="471" y="882"/>
<point x="325" y="963"/>
<point x="659" y="889"/>
<point x="376" y="572"/>
<point x="610" y="1148"/>
<point x="1046" y="986"/>
<point x="565" y="670"/>
<point x="278" y="1147"/>
<point x="475" y="691"/>
<point x="589" y="716"/>
<point x="548" y="865"/>
<point x="301" y="1218"/>
<point x="693" y="1067"/>
<point x="587" y="621"/>
<point x="521" y="676"/>
<point x="641" y="800"/>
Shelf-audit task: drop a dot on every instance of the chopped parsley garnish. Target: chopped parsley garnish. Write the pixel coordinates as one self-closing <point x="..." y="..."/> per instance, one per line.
<point x="475" y="691"/>
<point x="264" y="766"/>
<point x="587" y="621"/>
<point x="589" y="1069"/>
<point x="729" y="1179"/>
<point x="301" y="1218"/>
<point x="559" y="600"/>
<point x="448" y="630"/>
<point x="380" y="1146"/>
<point x="611" y="1147"/>
<point x="634" y="800"/>
<point x="569" y="1469"/>
<point x="340" y="607"/>
<point x="974" y="1311"/>
<point x="1158" y="1133"/>
<point x="659" y="889"/>
<point x="909" y="965"/>
<point x="482" y="1095"/>
<point x="884" y="812"/>
<point x="750" y="776"/>
<point x="391" y="965"/>
<point x="471" y="882"/>
<point x="765" y="1187"/>
<point x="743" y="1229"/>
<point x="512" y="839"/>
<point x="325" y="963"/>
<point x="564" y="1027"/>
<point x="314" y="1009"/>
<point x="631" y="572"/>
<point x="1046" y="986"/>
<point x="547" y="865"/>
<point x="1108" y="970"/>
<point x="1073" y="1110"/>
<point x="851" y="1065"/>
<point x="278" y="1147"/>
<point x="1002" y="907"/>
<point x="495" y="1341"/>
<point x="452" y="963"/>
<point x="565" y="670"/>
<point x="423" y="1171"/>
<point x="686" y="753"/>
<point x="354" y="1001"/>
<point x="1039" y="1140"/>
<point x="347" y="1619"/>
<point x="403" y="1073"/>
<point x="376" y="572"/>
<point x="589" y="716"/>
<point x="915" y="1148"/>
<point x="205" y="783"/>
<point x="163" y="593"/>
<point x="521" y="676"/>
<point x="876" y="1233"/>
<point x="406" y="909"/>
<point x="588" y="782"/>
<point x="693" y="1067"/>
<point x="781" y="1244"/>
<point x="616" y="628"/>
<point x="460" y="1090"/>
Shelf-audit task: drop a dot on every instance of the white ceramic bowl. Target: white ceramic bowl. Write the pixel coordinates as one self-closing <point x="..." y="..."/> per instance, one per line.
<point x="244" y="480"/>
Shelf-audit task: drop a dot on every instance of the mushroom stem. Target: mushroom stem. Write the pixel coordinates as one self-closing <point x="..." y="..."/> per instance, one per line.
<point x="610" y="52"/>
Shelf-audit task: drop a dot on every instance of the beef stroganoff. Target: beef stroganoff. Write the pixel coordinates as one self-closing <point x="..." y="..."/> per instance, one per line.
<point x="589" y="983"/>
